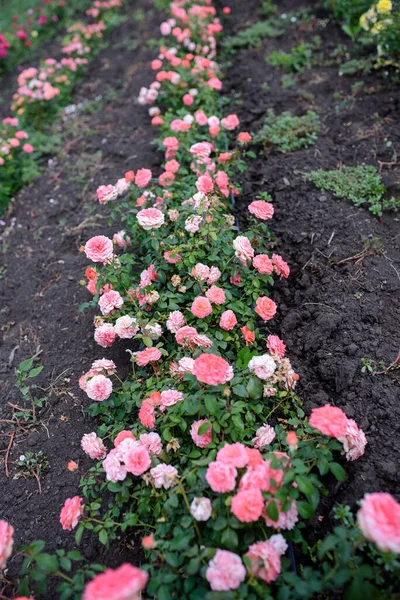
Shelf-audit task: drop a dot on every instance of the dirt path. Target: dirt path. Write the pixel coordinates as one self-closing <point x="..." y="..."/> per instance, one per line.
<point x="42" y="266"/>
<point x="333" y="310"/>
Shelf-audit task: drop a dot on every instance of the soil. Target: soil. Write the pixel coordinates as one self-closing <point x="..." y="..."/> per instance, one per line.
<point x="333" y="310"/>
<point x="330" y="313"/>
<point x="39" y="289"/>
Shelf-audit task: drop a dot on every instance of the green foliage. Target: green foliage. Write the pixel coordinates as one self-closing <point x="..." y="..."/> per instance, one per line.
<point x="299" y="58"/>
<point x="362" y="185"/>
<point x="252" y="36"/>
<point x="348" y="11"/>
<point x="288" y="133"/>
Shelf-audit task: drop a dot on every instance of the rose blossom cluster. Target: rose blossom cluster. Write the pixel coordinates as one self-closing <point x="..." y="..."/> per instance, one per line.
<point x="333" y="422"/>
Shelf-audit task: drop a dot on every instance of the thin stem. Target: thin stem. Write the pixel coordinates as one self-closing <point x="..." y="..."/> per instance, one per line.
<point x="188" y="506"/>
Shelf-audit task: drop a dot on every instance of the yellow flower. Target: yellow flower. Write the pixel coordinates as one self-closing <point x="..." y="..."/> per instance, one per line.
<point x="364" y="23"/>
<point x="384" y="6"/>
<point x="377" y="27"/>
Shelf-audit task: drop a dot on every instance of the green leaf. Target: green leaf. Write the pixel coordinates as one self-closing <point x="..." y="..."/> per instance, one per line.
<point x="204" y="428"/>
<point x="103" y="536"/>
<point x="212" y="405"/>
<point x="338" y="471"/>
<point x="147" y="341"/>
<point x="230" y="539"/>
<point x="79" y="534"/>
<point x="47" y="562"/>
<point x="240" y="390"/>
<point x="305" y="510"/>
<point x="35" y="372"/>
<point x="273" y="511"/>
<point x="305" y="485"/>
<point x="255" y="388"/>
<point x="26" y="365"/>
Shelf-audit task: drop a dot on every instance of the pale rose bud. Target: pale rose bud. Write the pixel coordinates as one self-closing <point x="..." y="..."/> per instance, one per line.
<point x="72" y="466"/>
<point x="173" y="445"/>
<point x="175" y="280"/>
<point x="148" y="542"/>
<point x="200" y="509"/>
<point x="292" y="440"/>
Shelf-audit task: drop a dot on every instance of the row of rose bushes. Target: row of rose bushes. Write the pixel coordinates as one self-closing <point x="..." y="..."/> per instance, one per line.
<point x="41" y="92"/>
<point x="204" y="449"/>
<point x="28" y="30"/>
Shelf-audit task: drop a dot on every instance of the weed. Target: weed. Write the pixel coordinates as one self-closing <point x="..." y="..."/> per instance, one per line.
<point x="287" y="132"/>
<point x="24" y="372"/>
<point x="288" y="80"/>
<point x="362" y="185"/>
<point x="138" y="15"/>
<point x="299" y="58"/>
<point x="368" y="365"/>
<point x="363" y="66"/>
<point x="268" y="8"/>
<point x="33" y="464"/>
<point x="252" y="36"/>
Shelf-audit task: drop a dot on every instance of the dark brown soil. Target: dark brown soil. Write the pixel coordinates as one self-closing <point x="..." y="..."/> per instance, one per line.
<point x="40" y="292"/>
<point x="330" y="313"/>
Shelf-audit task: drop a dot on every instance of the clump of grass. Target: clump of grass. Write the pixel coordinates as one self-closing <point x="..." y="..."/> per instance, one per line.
<point x="299" y="58"/>
<point x="287" y="132"/>
<point x="362" y="185"/>
<point x="252" y="36"/>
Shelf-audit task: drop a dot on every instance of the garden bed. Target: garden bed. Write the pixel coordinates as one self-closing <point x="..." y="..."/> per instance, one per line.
<point x="339" y="306"/>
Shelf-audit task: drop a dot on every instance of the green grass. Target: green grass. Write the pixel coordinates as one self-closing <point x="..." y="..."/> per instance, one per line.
<point x="252" y="36"/>
<point x="9" y="8"/>
<point x="362" y="185"/>
<point x="288" y="133"/>
<point x="299" y="58"/>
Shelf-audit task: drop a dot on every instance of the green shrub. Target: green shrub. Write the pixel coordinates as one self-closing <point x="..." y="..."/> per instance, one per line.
<point x="362" y="185"/>
<point x="252" y="36"/>
<point x="299" y="58"/>
<point x="287" y="132"/>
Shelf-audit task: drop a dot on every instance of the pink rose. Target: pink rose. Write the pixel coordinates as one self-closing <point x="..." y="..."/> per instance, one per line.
<point x="265" y="561"/>
<point x="379" y="521"/>
<point x="71" y="513"/>
<point x="143" y="177"/>
<point x="170" y="398"/>
<point x="201" y="440"/>
<point x="123" y="435"/>
<point x="99" y="249"/>
<point x="244" y="137"/>
<point x="99" y="388"/>
<point x="280" y="266"/>
<point x="205" y="184"/>
<point x="105" y="335"/>
<point x="276" y="346"/>
<point x="124" y="583"/>
<point x="114" y="470"/>
<point x="262" y="366"/>
<point x="200" y="509"/>
<point x="152" y="442"/>
<point x="164" y="476"/>
<point x="146" y="414"/>
<point x="201" y="307"/>
<point x="137" y="460"/>
<point x="230" y="122"/>
<point x="93" y="446"/>
<point x="216" y="295"/>
<point x="286" y="520"/>
<point x="221" y="477"/>
<point x="6" y="543"/>
<point x="228" y="320"/>
<point x="329" y="420"/>
<point x="247" y="505"/>
<point x="263" y="264"/>
<point x="150" y="218"/>
<point x="354" y="441"/>
<point x="148" y="355"/>
<point x="175" y="321"/>
<point x="225" y="571"/>
<point x="212" y="369"/>
<point x="106" y="193"/>
<point x="185" y="365"/>
<point x="126" y="327"/>
<point x="265" y="435"/>
<point x="243" y="249"/>
<point x="234" y="455"/>
<point x="265" y="308"/>
<point x="28" y="148"/>
<point x="261" y="210"/>
<point x="109" y="301"/>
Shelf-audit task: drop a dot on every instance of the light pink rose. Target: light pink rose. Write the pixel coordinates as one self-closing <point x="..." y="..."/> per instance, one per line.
<point x="280" y="266"/>
<point x="379" y="521"/>
<point x="148" y="355"/>
<point x="221" y="477"/>
<point x="234" y="455"/>
<point x="105" y="335"/>
<point x="265" y="308"/>
<point x="265" y="561"/>
<point x="143" y="177"/>
<point x="262" y="366"/>
<point x="276" y="346"/>
<point x="354" y="441"/>
<point x="137" y="460"/>
<point x="216" y="295"/>
<point x="287" y="520"/>
<point x="124" y="583"/>
<point x="192" y="223"/>
<point x="152" y="442"/>
<point x="212" y="369"/>
<point x="109" y="301"/>
<point x="6" y="543"/>
<point x="99" y="388"/>
<point x="175" y="321"/>
<point x="201" y="307"/>
<point x="164" y="476"/>
<point x="126" y="327"/>
<point x="99" y="249"/>
<point x="265" y="435"/>
<point x="107" y="193"/>
<point x="230" y="122"/>
<point x="150" y="218"/>
<point x="247" y="505"/>
<point x="228" y="320"/>
<point x="225" y="571"/>
<point x="71" y="513"/>
<point x="329" y="420"/>
<point x="200" y="509"/>
<point x="243" y="249"/>
<point x="185" y="365"/>
<point x="93" y="446"/>
<point x="170" y="398"/>
<point x="204" y="439"/>
<point x="263" y="264"/>
<point x="261" y="210"/>
<point x="114" y="470"/>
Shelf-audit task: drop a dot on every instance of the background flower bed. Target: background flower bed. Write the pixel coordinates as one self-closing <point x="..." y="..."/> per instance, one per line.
<point x="371" y="224"/>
